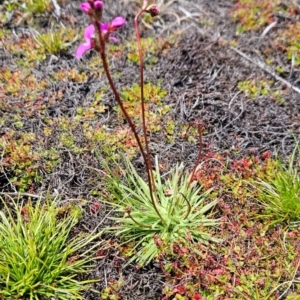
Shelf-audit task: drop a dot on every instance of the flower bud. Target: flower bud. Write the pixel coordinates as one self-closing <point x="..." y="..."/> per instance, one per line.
<point x="128" y="209"/>
<point x="85" y="7"/>
<point x="98" y="5"/>
<point x="152" y="10"/>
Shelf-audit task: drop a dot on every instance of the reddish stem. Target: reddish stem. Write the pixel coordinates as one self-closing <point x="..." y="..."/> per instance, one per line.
<point x="116" y="94"/>
<point x="146" y="156"/>
<point x="138" y="38"/>
<point x="152" y="186"/>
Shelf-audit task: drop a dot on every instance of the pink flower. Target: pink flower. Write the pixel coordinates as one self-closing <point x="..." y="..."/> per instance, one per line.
<point x="88" y="36"/>
<point x="106" y="29"/>
<point x="117" y="22"/>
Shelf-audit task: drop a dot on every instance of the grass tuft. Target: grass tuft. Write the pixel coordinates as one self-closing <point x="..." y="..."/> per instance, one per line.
<point x="281" y="195"/>
<point x="38" y="258"/>
<point x="182" y="208"/>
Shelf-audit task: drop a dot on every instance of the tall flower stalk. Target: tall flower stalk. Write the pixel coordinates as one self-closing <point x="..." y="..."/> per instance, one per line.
<point x="104" y="31"/>
<point x="152" y="9"/>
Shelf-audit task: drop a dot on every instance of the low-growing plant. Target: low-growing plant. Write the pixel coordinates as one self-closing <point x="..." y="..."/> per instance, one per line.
<point x="260" y="87"/>
<point x="147" y="44"/>
<point x="22" y="162"/>
<point x="39" y="257"/>
<point x="254" y="14"/>
<point x="256" y="287"/>
<point x="281" y="195"/>
<point x="20" y="84"/>
<point x="180" y="211"/>
<point x="288" y="41"/>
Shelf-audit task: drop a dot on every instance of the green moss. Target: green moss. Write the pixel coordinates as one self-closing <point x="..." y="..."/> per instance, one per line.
<point x="152" y="93"/>
<point x="112" y="142"/>
<point x="21" y="83"/>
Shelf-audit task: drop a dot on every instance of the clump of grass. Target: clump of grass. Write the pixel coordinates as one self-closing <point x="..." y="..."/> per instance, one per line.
<point x="281" y="195"/>
<point x="56" y="41"/>
<point x="180" y="212"/>
<point x="38" y="258"/>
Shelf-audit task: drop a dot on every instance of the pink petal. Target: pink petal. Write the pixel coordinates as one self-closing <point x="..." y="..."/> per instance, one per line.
<point x="89" y="32"/>
<point x="85" y="7"/>
<point x="113" y="39"/>
<point x="82" y="49"/>
<point x="104" y="27"/>
<point x="118" y="22"/>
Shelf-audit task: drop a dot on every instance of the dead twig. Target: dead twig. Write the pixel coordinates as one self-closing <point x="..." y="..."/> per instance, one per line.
<point x="290" y="282"/>
<point x="266" y="68"/>
<point x="21" y="194"/>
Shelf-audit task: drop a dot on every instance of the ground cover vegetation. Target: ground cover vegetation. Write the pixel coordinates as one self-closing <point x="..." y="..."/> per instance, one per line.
<point x="149" y="150"/>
